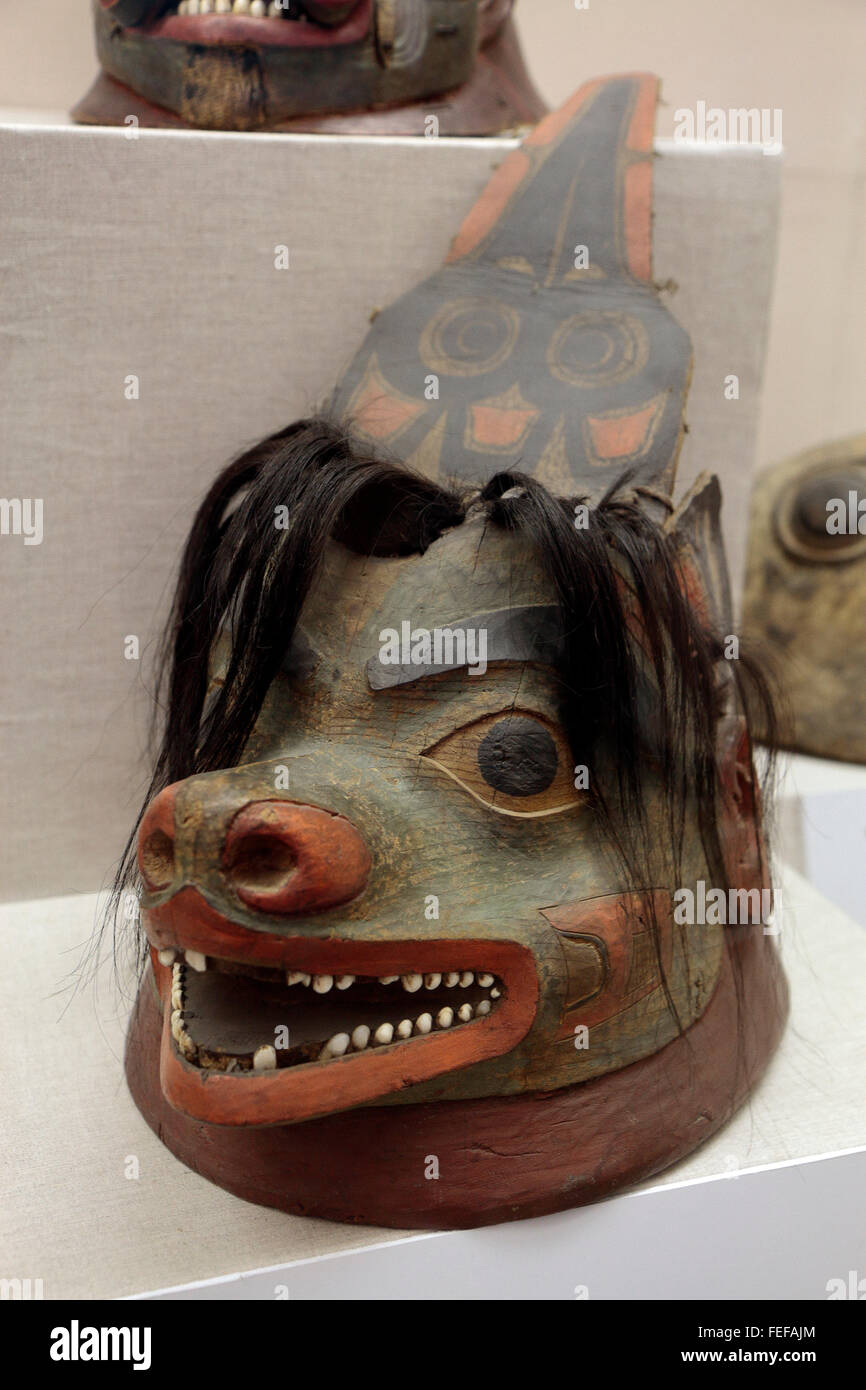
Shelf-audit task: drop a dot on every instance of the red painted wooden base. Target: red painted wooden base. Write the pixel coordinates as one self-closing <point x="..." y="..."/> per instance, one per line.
<point x="502" y="1157"/>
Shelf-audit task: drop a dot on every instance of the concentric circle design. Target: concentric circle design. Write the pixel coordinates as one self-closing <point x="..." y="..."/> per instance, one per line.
<point x="598" y="348"/>
<point x="471" y="336"/>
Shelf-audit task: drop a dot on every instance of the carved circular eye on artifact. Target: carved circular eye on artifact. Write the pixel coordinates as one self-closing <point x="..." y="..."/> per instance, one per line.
<point x="822" y="518"/>
<point x="518" y="757"/>
<point x="517" y="763"/>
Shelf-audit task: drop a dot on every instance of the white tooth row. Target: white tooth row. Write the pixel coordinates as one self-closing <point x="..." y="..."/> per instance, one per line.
<point x="257" y="8"/>
<point x="265" y="1057"/>
<point x="411" y="983"/>
<point x="322" y="984"/>
<point x="363" y="1037"/>
<point x="195" y="959"/>
<point x="178" y="987"/>
<point x="179" y="1033"/>
<point x="178" y="1000"/>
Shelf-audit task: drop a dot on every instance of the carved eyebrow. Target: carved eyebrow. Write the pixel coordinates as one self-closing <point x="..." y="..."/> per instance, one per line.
<point x="530" y="632"/>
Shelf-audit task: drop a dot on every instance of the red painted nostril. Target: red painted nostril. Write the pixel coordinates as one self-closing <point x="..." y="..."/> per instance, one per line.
<point x="260" y="863"/>
<point x="284" y="857"/>
<point x="156" y="860"/>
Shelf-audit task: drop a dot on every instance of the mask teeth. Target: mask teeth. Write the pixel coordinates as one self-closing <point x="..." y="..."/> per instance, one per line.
<point x="178" y="985"/>
<point x="181" y="1036"/>
<point x="363" y="1037"/>
<point x="411" y="983"/>
<point x="255" y="9"/>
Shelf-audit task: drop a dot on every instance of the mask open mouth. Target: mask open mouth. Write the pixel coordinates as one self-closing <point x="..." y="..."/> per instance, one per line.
<point x="299" y="24"/>
<point x="230" y="1018"/>
<point x="262" y="1029"/>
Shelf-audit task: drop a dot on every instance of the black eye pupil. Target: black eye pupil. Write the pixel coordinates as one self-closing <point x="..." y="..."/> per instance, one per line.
<point x="812" y="506"/>
<point x="518" y="757"/>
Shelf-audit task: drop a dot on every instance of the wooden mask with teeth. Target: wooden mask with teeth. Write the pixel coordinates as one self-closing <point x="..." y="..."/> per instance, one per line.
<point x="398" y="67"/>
<point x="451" y="737"/>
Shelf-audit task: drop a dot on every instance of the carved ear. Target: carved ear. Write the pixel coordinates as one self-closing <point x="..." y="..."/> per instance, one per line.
<point x="745" y="852"/>
<point x="696" y="529"/>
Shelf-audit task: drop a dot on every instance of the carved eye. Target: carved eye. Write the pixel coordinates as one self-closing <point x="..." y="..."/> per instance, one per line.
<point x="518" y="756"/>
<point x="823" y="518"/>
<point x="516" y="763"/>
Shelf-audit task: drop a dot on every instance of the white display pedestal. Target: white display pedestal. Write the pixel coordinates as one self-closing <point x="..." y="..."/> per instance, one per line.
<point x="95" y="1206"/>
<point x="147" y="266"/>
<point x="822" y="828"/>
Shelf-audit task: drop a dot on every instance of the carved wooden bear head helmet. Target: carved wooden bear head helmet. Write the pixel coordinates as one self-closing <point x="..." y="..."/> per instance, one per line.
<point x="455" y="834"/>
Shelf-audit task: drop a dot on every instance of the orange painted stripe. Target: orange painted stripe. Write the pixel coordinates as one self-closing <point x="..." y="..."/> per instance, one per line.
<point x="491" y="205"/>
<point x="642" y="127"/>
<point x="554" y="125"/>
<point x="638" y="218"/>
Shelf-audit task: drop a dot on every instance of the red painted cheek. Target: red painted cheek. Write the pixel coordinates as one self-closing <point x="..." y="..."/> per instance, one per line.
<point x="745" y="852"/>
<point x="611" y="953"/>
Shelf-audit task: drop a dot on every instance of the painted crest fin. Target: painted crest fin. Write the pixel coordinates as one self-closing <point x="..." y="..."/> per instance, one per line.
<point x="589" y="167"/>
<point x="543" y="332"/>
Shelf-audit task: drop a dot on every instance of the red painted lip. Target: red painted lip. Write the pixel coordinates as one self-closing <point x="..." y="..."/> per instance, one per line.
<point x="302" y="1092"/>
<point x="214" y="31"/>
